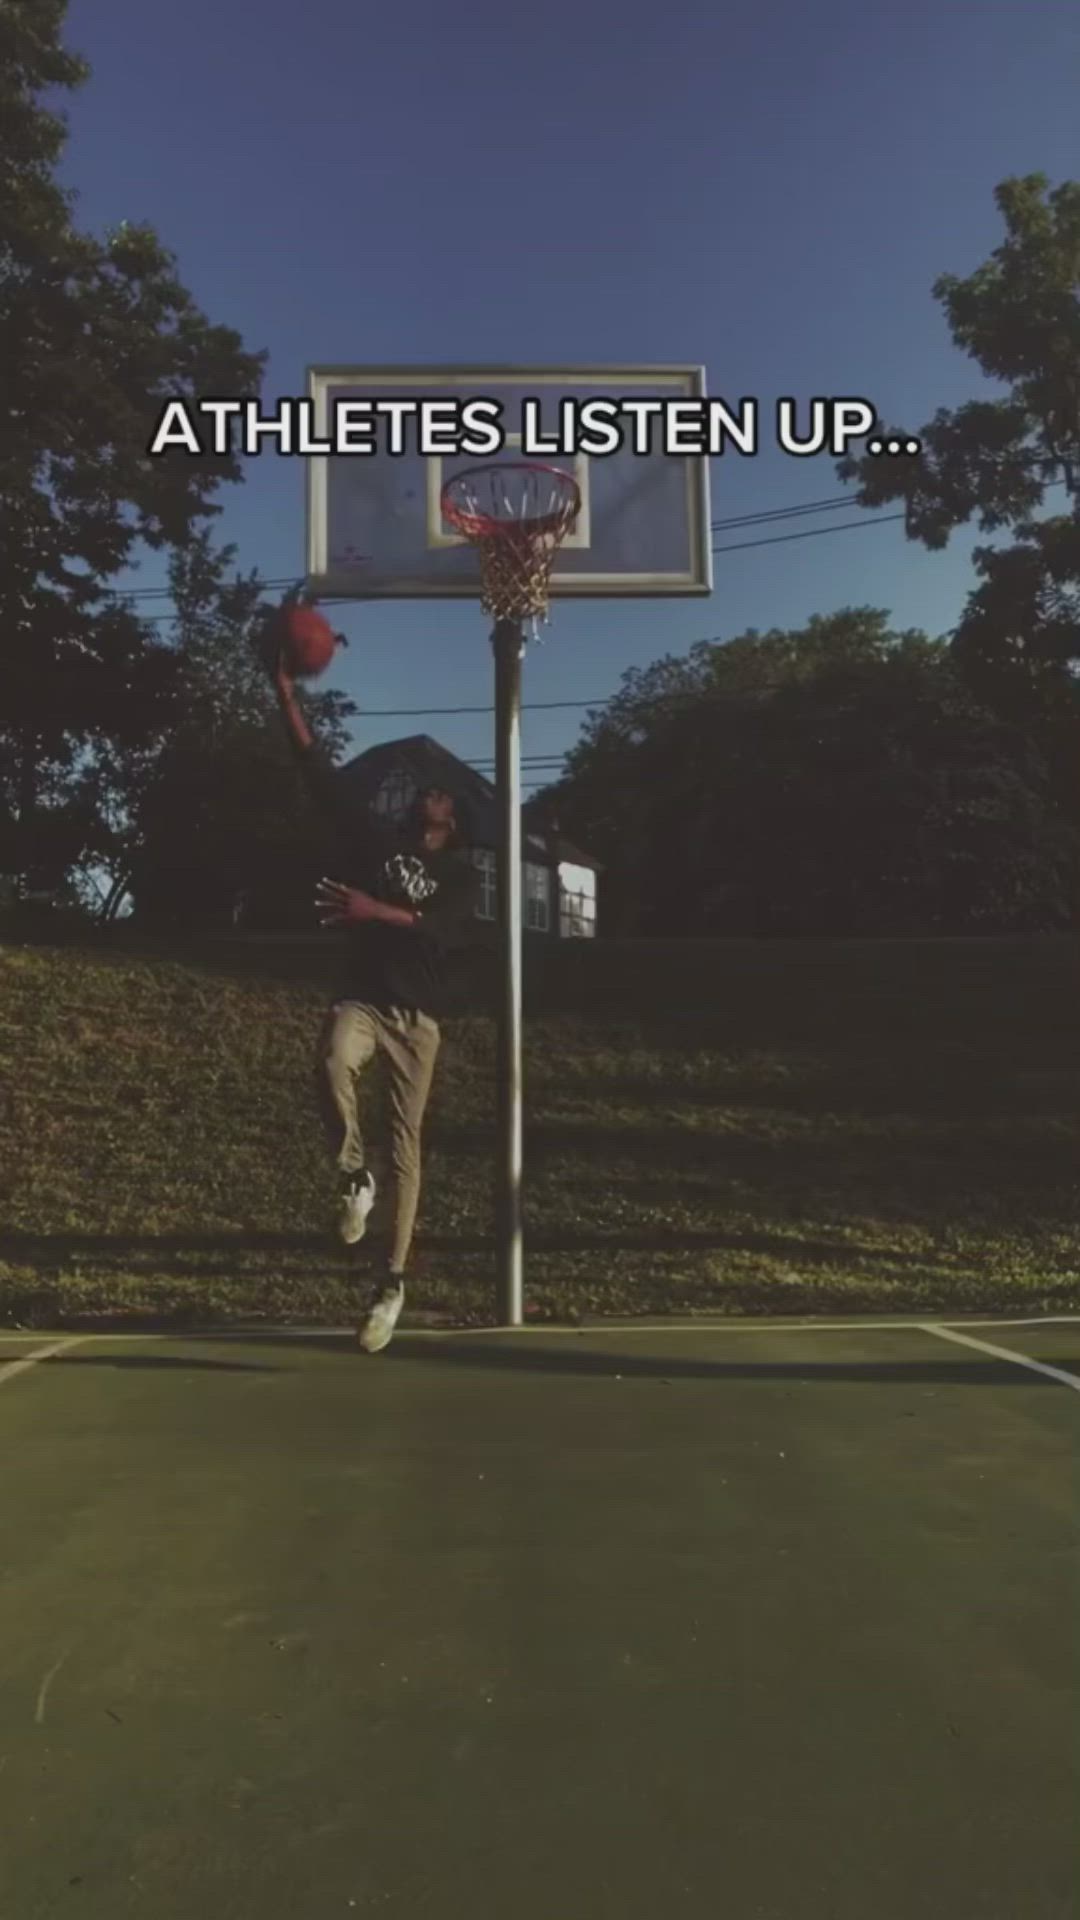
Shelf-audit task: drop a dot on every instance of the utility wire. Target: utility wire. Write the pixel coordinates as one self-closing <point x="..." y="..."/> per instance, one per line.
<point x="601" y="700"/>
<point x="766" y="514"/>
<point x="737" y="546"/>
<point x="763" y="517"/>
<point x="809" y="533"/>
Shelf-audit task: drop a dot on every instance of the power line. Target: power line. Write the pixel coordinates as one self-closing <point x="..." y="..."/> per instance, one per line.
<point x="810" y="533"/>
<point x="551" y="706"/>
<point x="766" y="514"/>
<point x="735" y="546"/>
<point x="165" y="593"/>
<point x="763" y="517"/>
<point x="738" y="546"/>
<point x="533" y="706"/>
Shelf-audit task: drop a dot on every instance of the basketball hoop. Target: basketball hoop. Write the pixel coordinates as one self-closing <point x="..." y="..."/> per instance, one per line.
<point x="517" y="517"/>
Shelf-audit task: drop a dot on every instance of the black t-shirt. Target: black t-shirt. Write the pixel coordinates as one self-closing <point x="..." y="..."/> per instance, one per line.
<point x="415" y="968"/>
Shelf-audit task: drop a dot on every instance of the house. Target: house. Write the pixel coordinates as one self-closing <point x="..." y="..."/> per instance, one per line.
<point x="559" y="880"/>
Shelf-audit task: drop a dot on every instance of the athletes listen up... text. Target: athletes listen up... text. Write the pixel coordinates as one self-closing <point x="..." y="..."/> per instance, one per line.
<point x="475" y="427"/>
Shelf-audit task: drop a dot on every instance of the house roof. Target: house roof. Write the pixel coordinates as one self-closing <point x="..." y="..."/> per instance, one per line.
<point x="431" y="764"/>
<point x="533" y="812"/>
<point x="425" y="759"/>
<point x="573" y="856"/>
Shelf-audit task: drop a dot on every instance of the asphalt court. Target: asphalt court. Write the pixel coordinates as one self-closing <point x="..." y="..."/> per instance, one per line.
<point x="777" y="1618"/>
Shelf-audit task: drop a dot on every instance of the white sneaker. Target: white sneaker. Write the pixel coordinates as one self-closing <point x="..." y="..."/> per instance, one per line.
<point x="378" y="1329"/>
<point x="357" y="1200"/>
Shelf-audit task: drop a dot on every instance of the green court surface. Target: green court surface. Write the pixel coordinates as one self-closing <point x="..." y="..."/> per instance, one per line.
<point x="762" y="1620"/>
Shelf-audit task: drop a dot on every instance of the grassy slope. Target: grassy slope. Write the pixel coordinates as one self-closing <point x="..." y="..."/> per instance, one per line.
<point x="742" y="1126"/>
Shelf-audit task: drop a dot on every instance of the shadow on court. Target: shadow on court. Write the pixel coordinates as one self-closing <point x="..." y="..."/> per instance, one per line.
<point x="654" y="1145"/>
<point x="49" y="1249"/>
<point x="971" y="1092"/>
<point x="676" y="1239"/>
<point x="158" y="1363"/>
<point x="947" y="1373"/>
<point x="172" y="1252"/>
<point x="524" y="1353"/>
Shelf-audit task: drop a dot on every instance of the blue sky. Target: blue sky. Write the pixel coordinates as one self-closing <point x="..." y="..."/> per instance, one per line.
<point x="769" y="189"/>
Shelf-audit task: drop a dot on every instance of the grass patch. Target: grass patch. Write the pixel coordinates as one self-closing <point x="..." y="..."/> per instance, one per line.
<point x="741" y="1127"/>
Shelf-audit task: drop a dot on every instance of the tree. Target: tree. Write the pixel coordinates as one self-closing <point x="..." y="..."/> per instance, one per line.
<point x="837" y="779"/>
<point x="94" y="336"/>
<point x="215" y="806"/>
<point x="647" y="778"/>
<point x="992" y="461"/>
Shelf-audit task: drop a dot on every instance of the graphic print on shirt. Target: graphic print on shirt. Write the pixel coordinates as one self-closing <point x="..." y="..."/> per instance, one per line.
<point x="408" y="879"/>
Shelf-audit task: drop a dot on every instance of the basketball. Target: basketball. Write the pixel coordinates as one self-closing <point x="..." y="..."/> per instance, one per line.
<point x="306" y="639"/>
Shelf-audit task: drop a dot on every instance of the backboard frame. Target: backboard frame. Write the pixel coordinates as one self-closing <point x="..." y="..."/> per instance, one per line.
<point x="681" y="380"/>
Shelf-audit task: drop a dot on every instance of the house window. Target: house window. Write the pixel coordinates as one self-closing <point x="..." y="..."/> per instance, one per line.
<point x="535" y="891"/>
<point x="484" y="862"/>
<point x="396" y="795"/>
<point x="577" y="903"/>
<point x="537" y="902"/>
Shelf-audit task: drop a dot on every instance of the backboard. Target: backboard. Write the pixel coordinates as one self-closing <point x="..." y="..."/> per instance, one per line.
<point x="375" y="523"/>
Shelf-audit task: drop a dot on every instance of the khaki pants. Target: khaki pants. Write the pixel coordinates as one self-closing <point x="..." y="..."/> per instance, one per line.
<point x="409" y="1042"/>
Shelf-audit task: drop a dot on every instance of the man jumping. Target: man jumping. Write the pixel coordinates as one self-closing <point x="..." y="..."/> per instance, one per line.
<point x="407" y="901"/>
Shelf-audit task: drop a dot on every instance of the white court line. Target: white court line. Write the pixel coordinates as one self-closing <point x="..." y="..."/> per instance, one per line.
<point x="1005" y="1353"/>
<point x="43" y="1690"/>
<point x="1037" y="1320"/>
<point x="538" y="1329"/>
<point x="10" y="1368"/>
<point x="714" y="1326"/>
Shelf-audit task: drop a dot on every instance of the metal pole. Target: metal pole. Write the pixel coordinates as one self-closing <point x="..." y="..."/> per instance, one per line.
<point x="508" y="642"/>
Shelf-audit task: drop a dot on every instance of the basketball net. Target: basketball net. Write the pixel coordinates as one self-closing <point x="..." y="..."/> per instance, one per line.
<point x="516" y="517"/>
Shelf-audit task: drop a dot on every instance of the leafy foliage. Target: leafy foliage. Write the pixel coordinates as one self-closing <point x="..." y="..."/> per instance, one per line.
<point x="835" y="779"/>
<point x="94" y="336"/>
<point x="843" y="779"/>
<point x="216" y="809"/>
<point x="994" y="461"/>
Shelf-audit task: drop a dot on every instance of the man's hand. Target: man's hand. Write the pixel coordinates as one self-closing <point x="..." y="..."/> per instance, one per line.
<point x="344" y="906"/>
<point x="348" y="907"/>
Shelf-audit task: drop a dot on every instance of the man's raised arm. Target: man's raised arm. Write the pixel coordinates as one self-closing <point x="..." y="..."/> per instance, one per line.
<point x="318" y="773"/>
<point x="354" y="827"/>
